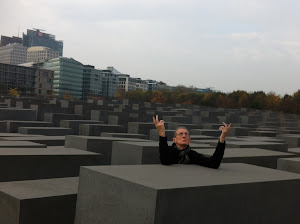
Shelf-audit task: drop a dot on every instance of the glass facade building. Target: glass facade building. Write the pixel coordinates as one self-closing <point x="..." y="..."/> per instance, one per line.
<point x="110" y="83"/>
<point x="38" y="38"/>
<point x="22" y="78"/>
<point x="68" y="76"/>
<point x="92" y="81"/>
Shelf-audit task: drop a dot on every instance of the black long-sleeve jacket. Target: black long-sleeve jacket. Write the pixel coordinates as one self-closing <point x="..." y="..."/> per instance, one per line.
<point x="172" y="155"/>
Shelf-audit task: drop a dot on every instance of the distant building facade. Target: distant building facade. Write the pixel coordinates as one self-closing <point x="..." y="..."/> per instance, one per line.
<point x="19" y="77"/>
<point x="40" y="54"/>
<point x="38" y="38"/>
<point x="44" y="83"/>
<point x="92" y="82"/>
<point x="141" y="84"/>
<point x="13" y="54"/>
<point x="68" y="76"/>
<point x="110" y="82"/>
<point x="5" y="40"/>
<point x="152" y="84"/>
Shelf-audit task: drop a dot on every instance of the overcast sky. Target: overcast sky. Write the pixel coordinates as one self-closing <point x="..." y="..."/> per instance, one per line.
<point x="230" y="45"/>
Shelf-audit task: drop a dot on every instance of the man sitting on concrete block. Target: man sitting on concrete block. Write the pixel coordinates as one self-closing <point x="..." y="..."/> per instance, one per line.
<point x="181" y="153"/>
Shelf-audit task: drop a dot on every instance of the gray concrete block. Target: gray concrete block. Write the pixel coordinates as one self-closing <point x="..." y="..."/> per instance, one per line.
<point x="48" y="131"/>
<point x="74" y="124"/>
<point x="209" y="132"/>
<point x="46" y="140"/>
<point x="235" y="193"/>
<point x="263" y="133"/>
<point x="99" y="115"/>
<point x="44" y="201"/>
<point x="293" y="140"/>
<point x="289" y="164"/>
<point x="132" y="153"/>
<point x="18" y="114"/>
<point x="19" y="144"/>
<point x="102" y="145"/>
<point x="96" y="129"/>
<point x="13" y="126"/>
<point x="141" y="128"/>
<point x="43" y="163"/>
<point x="254" y="156"/>
<point x="283" y="147"/>
<point x="55" y="118"/>
<point x="123" y="135"/>
<point x="294" y="150"/>
<point x="178" y="119"/>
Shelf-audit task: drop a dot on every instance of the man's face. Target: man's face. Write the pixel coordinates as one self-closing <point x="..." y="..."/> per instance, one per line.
<point x="182" y="137"/>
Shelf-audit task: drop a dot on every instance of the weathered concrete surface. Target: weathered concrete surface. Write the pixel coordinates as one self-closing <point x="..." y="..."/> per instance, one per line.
<point x="48" y="131"/>
<point x="289" y="164"/>
<point x="18" y="114"/>
<point x="39" y="163"/>
<point x="74" y="124"/>
<point x="123" y="135"/>
<point x="96" y="129"/>
<point x="13" y="126"/>
<point x="102" y="145"/>
<point x="19" y="144"/>
<point x="46" y="201"/>
<point x="47" y="140"/>
<point x="254" y="156"/>
<point x="235" y="193"/>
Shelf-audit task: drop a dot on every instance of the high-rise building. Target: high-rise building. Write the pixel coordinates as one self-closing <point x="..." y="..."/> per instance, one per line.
<point x="5" y="40"/>
<point x="92" y="82"/>
<point x="37" y="38"/>
<point x="68" y="76"/>
<point x="40" y="54"/>
<point x="13" y="54"/>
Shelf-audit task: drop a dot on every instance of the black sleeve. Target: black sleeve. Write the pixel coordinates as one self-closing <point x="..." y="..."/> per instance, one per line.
<point x="212" y="162"/>
<point x="165" y="152"/>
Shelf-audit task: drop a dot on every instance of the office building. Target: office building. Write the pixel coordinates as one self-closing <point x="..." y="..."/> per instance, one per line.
<point x="36" y="37"/>
<point x="19" y="77"/>
<point x="92" y="82"/>
<point x="5" y="40"/>
<point x="68" y="77"/>
<point x="44" y="83"/>
<point x="40" y="54"/>
<point x="110" y="81"/>
<point x="13" y="54"/>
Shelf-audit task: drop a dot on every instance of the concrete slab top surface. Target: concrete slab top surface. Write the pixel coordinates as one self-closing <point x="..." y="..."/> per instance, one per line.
<point x="85" y="121"/>
<point x="199" y="137"/>
<point x="120" y="134"/>
<point x="294" y="150"/>
<point x="24" y="144"/>
<point x="109" y="138"/>
<point x="184" y="176"/>
<point x="41" y="188"/>
<point x="29" y="138"/>
<point x="245" y="152"/>
<point x="43" y="151"/>
<point x="30" y="122"/>
<point x="46" y="128"/>
<point x="17" y="135"/>
<point x="295" y="159"/>
<point x="156" y="144"/>
<point x="244" y="143"/>
<point x="15" y="108"/>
